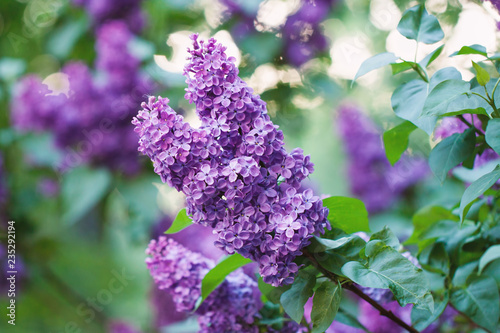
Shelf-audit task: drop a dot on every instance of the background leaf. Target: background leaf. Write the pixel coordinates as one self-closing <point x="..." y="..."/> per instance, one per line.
<point x="417" y="24"/>
<point x="441" y="96"/>
<point x="491" y="254"/>
<point x="347" y="214"/>
<point x="377" y="61"/>
<point x="493" y="134"/>
<point x="182" y="221"/>
<point x="294" y="299"/>
<point x="387" y="268"/>
<point x="472" y="49"/>
<point x="450" y="152"/>
<point x="396" y="141"/>
<point x="476" y="189"/>
<point x="479" y="301"/>
<point x="82" y="188"/>
<point x="326" y="303"/>
<point x="482" y="75"/>
<point x="217" y="274"/>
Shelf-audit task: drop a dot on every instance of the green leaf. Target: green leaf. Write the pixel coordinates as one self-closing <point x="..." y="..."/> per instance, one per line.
<point x="347" y="214"/>
<point x="294" y="299"/>
<point x="377" y="61"/>
<point x="438" y="258"/>
<point x="482" y="75"/>
<point x="386" y="236"/>
<point x="493" y="253"/>
<point x="217" y="274"/>
<point x="63" y="39"/>
<point x="408" y="101"/>
<point x="319" y="245"/>
<point x="450" y="152"/>
<point x="476" y="189"/>
<point x="426" y="217"/>
<point x="440" y="97"/>
<point x="396" y="140"/>
<point x="420" y="319"/>
<point x="82" y="189"/>
<point x="387" y="268"/>
<point x="493" y="134"/>
<point x="479" y="301"/>
<point x="326" y="303"/>
<point x="428" y="59"/>
<point x="269" y="292"/>
<point x="402" y="66"/>
<point x="419" y="25"/>
<point x="472" y="49"/>
<point x="181" y="222"/>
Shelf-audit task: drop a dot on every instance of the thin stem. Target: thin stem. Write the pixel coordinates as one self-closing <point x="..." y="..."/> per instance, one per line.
<point x="355" y="290"/>
<point x="465" y="121"/>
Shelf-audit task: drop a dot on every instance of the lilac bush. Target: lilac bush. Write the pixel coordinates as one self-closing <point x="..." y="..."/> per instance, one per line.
<point x="91" y="122"/>
<point x="234" y="170"/>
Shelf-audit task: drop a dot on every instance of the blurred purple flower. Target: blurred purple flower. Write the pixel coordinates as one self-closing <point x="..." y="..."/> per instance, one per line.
<point x="121" y="327"/>
<point x="48" y="187"/>
<point x="91" y="122"/>
<point x="302" y="31"/>
<point x="372" y="178"/>
<point x="103" y="11"/>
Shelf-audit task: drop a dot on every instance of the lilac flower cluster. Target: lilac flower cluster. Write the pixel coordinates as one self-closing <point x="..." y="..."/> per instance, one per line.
<point x="301" y="33"/>
<point x="232" y="307"/>
<point x="234" y="170"/>
<point x="372" y="178"/>
<point x="103" y="11"/>
<point x="451" y="125"/>
<point x="90" y="122"/>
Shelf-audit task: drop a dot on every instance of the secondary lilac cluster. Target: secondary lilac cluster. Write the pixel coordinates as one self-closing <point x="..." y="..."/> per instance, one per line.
<point x="234" y="170"/>
<point x="91" y="122"/>
<point x="372" y="178"/>
<point x="103" y="11"/>
<point x="451" y="125"/>
<point x="232" y="307"/>
<point x="177" y="270"/>
<point x="302" y="32"/>
<point x="196" y="238"/>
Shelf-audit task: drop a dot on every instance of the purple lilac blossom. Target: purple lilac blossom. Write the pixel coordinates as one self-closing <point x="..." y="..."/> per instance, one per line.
<point x="451" y="125"/>
<point x="372" y="178"/>
<point x="91" y="122"/>
<point x="234" y="169"/>
<point x="232" y="307"/>
<point x="103" y="11"/>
